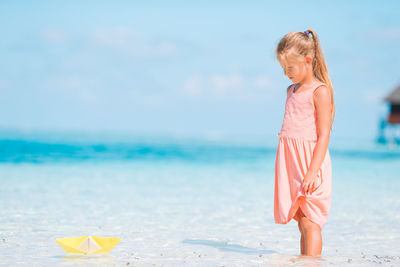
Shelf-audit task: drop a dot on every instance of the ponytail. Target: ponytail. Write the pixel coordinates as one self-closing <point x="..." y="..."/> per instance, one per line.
<point x="320" y="70"/>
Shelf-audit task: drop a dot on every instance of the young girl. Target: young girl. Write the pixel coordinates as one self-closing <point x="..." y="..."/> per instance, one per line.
<point x="303" y="174"/>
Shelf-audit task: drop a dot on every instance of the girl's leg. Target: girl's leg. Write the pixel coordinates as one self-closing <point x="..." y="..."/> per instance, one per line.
<point x="312" y="236"/>
<point x="303" y="244"/>
<point x="302" y="239"/>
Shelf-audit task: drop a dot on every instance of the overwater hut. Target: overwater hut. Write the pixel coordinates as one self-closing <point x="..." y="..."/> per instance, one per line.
<point x="394" y="111"/>
<point x="389" y="127"/>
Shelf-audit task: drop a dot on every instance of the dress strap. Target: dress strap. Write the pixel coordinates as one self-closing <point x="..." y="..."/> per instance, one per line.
<point x="294" y="86"/>
<point x="318" y="86"/>
<point x="290" y="88"/>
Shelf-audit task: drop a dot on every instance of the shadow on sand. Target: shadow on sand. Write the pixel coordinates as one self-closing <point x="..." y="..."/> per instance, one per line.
<point x="224" y="246"/>
<point x="274" y="259"/>
<point x="104" y="258"/>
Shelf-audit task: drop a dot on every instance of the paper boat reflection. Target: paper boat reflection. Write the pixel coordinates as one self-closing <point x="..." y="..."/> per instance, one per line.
<point x="88" y="244"/>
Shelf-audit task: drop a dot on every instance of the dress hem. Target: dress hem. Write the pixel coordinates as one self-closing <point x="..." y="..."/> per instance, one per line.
<point x="293" y="211"/>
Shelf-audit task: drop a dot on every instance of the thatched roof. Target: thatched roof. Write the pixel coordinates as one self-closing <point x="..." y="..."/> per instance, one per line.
<point x="394" y="97"/>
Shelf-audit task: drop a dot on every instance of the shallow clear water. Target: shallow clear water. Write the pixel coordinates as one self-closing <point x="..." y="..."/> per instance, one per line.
<point x="187" y="204"/>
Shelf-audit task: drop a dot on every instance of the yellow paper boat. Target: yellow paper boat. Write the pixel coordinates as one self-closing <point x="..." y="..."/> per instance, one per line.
<point x="88" y="244"/>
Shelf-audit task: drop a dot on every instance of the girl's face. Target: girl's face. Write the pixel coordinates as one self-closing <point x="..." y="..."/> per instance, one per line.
<point x="294" y="69"/>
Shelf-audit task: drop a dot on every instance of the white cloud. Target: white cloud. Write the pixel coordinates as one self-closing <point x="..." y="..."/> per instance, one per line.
<point x="374" y="96"/>
<point x="5" y="84"/>
<point x="194" y="85"/>
<point x="126" y="40"/>
<point x="386" y="34"/>
<point x="226" y="85"/>
<point x="54" y="36"/>
<point x="72" y="87"/>
<point x="96" y="94"/>
<point x="118" y="37"/>
<point x="261" y="82"/>
<point x="165" y="48"/>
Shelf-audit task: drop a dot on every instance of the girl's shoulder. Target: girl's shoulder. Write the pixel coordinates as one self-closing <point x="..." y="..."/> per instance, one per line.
<point x="322" y="93"/>
<point x="322" y="87"/>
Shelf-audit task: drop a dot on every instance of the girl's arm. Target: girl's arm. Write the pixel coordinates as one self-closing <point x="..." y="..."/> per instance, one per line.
<point x="323" y="106"/>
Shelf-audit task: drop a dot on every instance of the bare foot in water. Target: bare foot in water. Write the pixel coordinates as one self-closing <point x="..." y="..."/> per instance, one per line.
<point x="311" y="260"/>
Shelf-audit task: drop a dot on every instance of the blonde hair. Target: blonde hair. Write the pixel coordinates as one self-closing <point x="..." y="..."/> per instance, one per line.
<point x="301" y="44"/>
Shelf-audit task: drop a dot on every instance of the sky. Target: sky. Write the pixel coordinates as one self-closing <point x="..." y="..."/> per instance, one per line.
<point x="196" y="68"/>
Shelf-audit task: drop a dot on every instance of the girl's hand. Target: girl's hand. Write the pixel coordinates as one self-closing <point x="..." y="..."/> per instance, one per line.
<point x="310" y="182"/>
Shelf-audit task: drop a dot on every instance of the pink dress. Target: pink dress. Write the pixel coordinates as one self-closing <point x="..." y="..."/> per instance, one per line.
<point x="297" y="140"/>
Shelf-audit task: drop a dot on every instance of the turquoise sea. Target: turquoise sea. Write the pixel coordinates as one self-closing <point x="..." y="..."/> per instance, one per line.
<point x="186" y="202"/>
